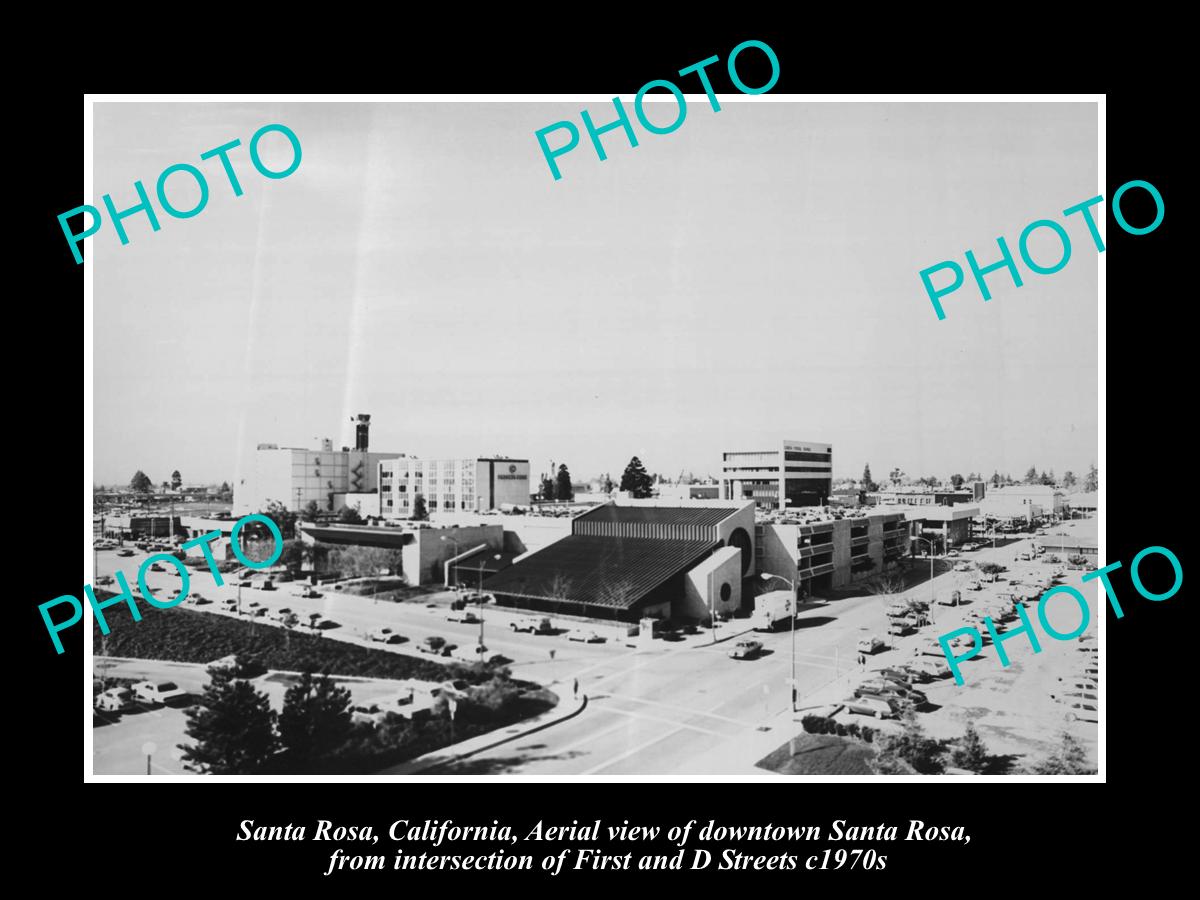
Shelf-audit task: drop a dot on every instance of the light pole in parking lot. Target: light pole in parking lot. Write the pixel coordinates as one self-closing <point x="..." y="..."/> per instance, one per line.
<point x="148" y="748"/>
<point x="932" y="595"/>
<point x="767" y="576"/>
<point x="481" y="562"/>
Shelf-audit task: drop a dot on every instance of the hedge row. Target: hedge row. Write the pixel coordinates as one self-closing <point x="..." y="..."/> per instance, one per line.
<point x="823" y="725"/>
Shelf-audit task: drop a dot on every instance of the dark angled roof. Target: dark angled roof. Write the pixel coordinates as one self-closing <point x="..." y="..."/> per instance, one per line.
<point x="661" y="515"/>
<point x="600" y="571"/>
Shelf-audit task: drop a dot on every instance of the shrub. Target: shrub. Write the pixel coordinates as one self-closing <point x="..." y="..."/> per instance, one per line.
<point x="867" y="733"/>
<point x="812" y="724"/>
<point x="841" y="729"/>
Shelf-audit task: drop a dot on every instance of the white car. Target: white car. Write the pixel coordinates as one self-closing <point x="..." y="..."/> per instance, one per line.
<point x="931" y="666"/>
<point x="585" y="636"/>
<point x="373" y="714"/>
<point x="871" y="645"/>
<point x="746" y="650"/>
<point x="384" y="636"/>
<point x="164" y="692"/>
<point x="871" y="706"/>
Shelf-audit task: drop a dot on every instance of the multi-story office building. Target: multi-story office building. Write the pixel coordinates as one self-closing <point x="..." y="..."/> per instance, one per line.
<point x="830" y="553"/>
<point x="795" y="474"/>
<point x="471" y="484"/>
<point x="295" y="477"/>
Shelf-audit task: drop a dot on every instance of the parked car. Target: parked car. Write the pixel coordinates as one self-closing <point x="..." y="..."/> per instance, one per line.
<point x="586" y="636"/>
<point x="466" y="616"/>
<point x="915" y="674"/>
<point x="260" y="612"/>
<point x="245" y="582"/>
<point x="384" y="636"/>
<point x="164" y="692"/>
<point x="898" y="608"/>
<point x="901" y="627"/>
<point x="104" y="579"/>
<point x="155" y="567"/>
<point x="974" y="586"/>
<point x="952" y="553"/>
<point x="309" y="593"/>
<point x="934" y="667"/>
<point x="432" y="644"/>
<point x="369" y="714"/>
<point x="872" y="706"/>
<point x="230" y="603"/>
<point x="268" y="585"/>
<point x="455" y="688"/>
<point x="114" y="699"/>
<point x="746" y="650"/>
<point x="533" y="624"/>
<point x="889" y="690"/>
<point x="953" y="599"/>
<point x="125" y="552"/>
<point x="900" y="676"/>
<point x="872" y="645"/>
<point x="929" y="647"/>
<point x="200" y="600"/>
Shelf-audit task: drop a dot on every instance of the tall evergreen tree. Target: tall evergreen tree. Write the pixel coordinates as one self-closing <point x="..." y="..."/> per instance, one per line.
<point x="637" y="480"/>
<point x="315" y="719"/>
<point x="176" y="480"/>
<point x="562" y="484"/>
<point x="1092" y="481"/>
<point x="971" y="753"/>
<point x="233" y="728"/>
<point x="957" y="480"/>
<point x="996" y="478"/>
<point x="419" y="511"/>
<point x="1068" y="759"/>
<point x="867" y="483"/>
<point x="141" y="482"/>
<point x="547" y="488"/>
<point x="1069" y="480"/>
<point x="1031" y="476"/>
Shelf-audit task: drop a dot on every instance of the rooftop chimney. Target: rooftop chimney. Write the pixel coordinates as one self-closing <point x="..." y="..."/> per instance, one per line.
<point x="361" y="429"/>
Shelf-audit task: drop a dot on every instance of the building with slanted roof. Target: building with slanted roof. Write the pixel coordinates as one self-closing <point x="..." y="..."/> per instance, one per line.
<point x="630" y="559"/>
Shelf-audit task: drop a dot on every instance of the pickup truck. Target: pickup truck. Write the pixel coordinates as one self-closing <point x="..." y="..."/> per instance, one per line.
<point x="533" y="624"/>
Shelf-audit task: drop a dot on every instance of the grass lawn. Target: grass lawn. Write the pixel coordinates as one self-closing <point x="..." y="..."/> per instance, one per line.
<point x="187" y="635"/>
<point x="820" y="754"/>
<point x="392" y="590"/>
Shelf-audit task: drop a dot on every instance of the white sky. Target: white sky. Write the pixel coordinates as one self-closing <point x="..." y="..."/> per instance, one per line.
<point x="751" y="277"/>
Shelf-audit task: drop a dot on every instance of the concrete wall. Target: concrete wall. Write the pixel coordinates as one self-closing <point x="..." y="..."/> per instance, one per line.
<point x="428" y="551"/>
<point x="723" y="568"/>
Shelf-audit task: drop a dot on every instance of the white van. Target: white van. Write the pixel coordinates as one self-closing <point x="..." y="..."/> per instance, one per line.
<point x="114" y="699"/>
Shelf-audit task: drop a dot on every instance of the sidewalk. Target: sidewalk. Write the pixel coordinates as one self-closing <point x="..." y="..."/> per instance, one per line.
<point x="566" y="708"/>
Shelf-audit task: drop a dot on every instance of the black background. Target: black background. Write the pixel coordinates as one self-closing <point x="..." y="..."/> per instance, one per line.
<point x="181" y="837"/>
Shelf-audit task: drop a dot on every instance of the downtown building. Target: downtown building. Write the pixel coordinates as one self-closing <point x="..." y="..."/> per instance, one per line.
<point x="452" y="485"/>
<point x="792" y="475"/>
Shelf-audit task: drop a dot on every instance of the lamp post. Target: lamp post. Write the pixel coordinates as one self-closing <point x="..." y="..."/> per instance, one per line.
<point x="932" y="594"/>
<point x="481" y="562"/>
<point x="767" y="576"/>
<point x="148" y="748"/>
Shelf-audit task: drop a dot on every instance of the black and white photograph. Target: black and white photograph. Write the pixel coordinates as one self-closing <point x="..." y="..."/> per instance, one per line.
<point x="535" y="438"/>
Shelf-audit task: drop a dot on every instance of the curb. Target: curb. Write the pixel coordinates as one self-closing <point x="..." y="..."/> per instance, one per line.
<point x="434" y="760"/>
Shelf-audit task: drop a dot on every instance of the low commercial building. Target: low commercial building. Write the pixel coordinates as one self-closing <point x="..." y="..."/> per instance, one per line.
<point x="824" y="552"/>
<point x="789" y="476"/>
<point x="424" y="551"/>
<point x="629" y="559"/>
<point x="920" y="495"/>
<point x="945" y="526"/>
<point x="1024" y="501"/>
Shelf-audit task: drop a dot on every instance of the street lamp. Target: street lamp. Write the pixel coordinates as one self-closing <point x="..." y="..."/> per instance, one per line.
<point x="767" y="576"/>
<point x="481" y="562"/>
<point x="148" y="749"/>
<point x="932" y="594"/>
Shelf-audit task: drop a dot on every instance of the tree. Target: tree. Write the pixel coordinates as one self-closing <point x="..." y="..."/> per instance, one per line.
<point x="350" y="515"/>
<point x="867" y="483"/>
<point x="1046" y="478"/>
<point x="233" y="728"/>
<point x="141" y="482"/>
<point x="970" y="754"/>
<point x="1092" y="482"/>
<point x="176" y="480"/>
<point x="996" y="479"/>
<point x="310" y="512"/>
<point x="562" y="484"/>
<point x="316" y="719"/>
<point x="284" y="518"/>
<point x="225" y="493"/>
<point x="896" y="476"/>
<point x="1068" y="759"/>
<point x="992" y="569"/>
<point x="419" y="512"/>
<point x="1069" y="480"/>
<point x="923" y="754"/>
<point x="637" y="480"/>
<point x="1031" y="476"/>
<point x="547" y="492"/>
<point x="607" y="484"/>
<point x="957" y="481"/>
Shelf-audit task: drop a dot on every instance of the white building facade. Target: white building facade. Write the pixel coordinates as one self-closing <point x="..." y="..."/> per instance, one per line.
<point x="471" y="484"/>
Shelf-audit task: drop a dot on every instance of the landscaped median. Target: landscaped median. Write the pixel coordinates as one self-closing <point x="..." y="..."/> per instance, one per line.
<point x="476" y="699"/>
